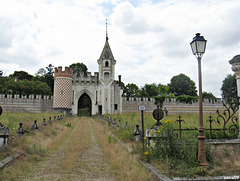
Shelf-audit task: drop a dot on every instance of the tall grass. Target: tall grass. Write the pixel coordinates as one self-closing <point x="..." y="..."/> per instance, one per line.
<point x="125" y="164"/>
<point x="12" y="119"/>
<point x="178" y="157"/>
<point x="34" y="146"/>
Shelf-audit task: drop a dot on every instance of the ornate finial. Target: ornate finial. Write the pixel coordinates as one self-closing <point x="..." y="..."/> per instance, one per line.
<point x="106" y="31"/>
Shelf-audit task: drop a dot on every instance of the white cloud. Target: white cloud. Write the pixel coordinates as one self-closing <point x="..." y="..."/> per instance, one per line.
<point x="149" y="39"/>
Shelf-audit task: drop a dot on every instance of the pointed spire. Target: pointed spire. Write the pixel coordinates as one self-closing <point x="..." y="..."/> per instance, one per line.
<point x="106" y="52"/>
<point x="106" y="31"/>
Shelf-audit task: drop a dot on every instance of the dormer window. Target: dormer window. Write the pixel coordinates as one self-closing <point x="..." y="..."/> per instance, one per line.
<point x="106" y="64"/>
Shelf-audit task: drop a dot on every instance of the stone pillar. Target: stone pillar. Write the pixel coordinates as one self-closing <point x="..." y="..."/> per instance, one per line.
<point x="235" y="62"/>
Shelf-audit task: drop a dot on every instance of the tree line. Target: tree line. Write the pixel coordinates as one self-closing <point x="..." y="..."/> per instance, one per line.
<point x="42" y="83"/>
<point x="181" y="86"/>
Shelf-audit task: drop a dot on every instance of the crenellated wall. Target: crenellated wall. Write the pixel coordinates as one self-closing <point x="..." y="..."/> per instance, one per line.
<point x="81" y="78"/>
<point x="38" y="103"/>
<point x="34" y="103"/>
<point x="130" y="105"/>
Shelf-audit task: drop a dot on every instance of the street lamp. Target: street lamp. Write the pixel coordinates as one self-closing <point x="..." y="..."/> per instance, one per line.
<point x="198" y="46"/>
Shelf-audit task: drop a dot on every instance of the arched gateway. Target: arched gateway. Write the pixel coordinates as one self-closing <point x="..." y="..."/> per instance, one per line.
<point x="84" y="105"/>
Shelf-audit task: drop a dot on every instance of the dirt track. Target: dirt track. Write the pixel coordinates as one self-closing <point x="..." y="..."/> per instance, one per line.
<point x="88" y="164"/>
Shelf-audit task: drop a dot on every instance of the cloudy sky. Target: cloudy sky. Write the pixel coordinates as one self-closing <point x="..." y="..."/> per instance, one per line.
<point x="149" y="38"/>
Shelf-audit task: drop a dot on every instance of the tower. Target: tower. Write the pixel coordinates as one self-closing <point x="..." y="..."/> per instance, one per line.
<point x="106" y="68"/>
<point x="106" y="64"/>
<point x="62" y="97"/>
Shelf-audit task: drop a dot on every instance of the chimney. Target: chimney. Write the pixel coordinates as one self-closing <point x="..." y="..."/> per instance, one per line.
<point x="119" y="80"/>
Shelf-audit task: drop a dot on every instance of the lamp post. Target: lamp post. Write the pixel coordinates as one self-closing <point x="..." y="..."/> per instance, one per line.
<point x="198" y="46"/>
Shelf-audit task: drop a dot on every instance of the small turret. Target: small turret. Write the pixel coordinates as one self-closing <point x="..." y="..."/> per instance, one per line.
<point x="62" y="97"/>
<point x="59" y="73"/>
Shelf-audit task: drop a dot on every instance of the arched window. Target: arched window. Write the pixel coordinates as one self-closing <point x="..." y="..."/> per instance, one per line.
<point x="106" y="64"/>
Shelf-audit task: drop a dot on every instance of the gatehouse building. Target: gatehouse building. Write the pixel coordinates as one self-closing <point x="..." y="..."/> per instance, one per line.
<point x="86" y="94"/>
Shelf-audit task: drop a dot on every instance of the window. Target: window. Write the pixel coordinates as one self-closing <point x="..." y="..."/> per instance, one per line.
<point x="106" y="64"/>
<point x="115" y="106"/>
<point x="106" y="75"/>
<point x="73" y="97"/>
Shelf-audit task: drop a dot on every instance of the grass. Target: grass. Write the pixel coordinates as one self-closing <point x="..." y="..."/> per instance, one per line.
<point x="38" y="145"/>
<point x="126" y="165"/>
<point x="190" y="121"/>
<point x="222" y="163"/>
<point x="12" y="119"/>
<point x="34" y="146"/>
<point x="80" y="142"/>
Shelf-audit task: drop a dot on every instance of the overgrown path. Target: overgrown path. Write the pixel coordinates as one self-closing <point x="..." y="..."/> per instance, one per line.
<point x="79" y="157"/>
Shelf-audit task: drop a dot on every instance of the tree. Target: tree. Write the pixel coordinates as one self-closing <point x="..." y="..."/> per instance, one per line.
<point x="21" y="75"/>
<point x="41" y="72"/>
<point x="163" y="89"/>
<point x="182" y="85"/>
<point x="131" y="90"/>
<point x="208" y="95"/>
<point x="49" y="78"/>
<point x="46" y="75"/>
<point x="149" y="90"/>
<point x="1" y="73"/>
<point x="79" y="67"/>
<point x="229" y="89"/>
<point x="25" y="87"/>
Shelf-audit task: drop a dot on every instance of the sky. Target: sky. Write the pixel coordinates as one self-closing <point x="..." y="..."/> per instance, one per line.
<point x="150" y="39"/>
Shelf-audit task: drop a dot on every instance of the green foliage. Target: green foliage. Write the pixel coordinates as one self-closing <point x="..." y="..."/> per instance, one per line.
<point x="131" y="90"/>
<point x="180" y="154"/>
<point x="209" y="96"/>
<point x="187" y="99"/>
<point x="229" y="90"/>
<point x="79" y="67"/>
<point x="49" y="78"/>
<point x="149" y="90"/>
<point x="68" y="124"/>
<point x="21" y="75"/>
<point x="109" y="139"/>
<point x="46" y="76"/>
<point x="24" y="87"/>
<point x="160" y="99"/>
<point x="182" y="85"/>
<point x="54" y="133"/>
<point x="163" y="89"/>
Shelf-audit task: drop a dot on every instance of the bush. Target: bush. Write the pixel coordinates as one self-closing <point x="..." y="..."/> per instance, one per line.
<point x="177" y="154"/>
<point x="187" y="99"/>
<point x="160" y="99"/>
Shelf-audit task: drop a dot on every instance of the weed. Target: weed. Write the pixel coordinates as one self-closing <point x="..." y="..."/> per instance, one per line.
<point x="225" y="152"/>
<point x="54" y="133"/>
<point x="109" y="139"/>
<point x="36" y="149"/>
<point x="68" y="124"/>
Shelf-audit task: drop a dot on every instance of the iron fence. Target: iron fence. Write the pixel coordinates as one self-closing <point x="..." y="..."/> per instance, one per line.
<point x="226" y="121"/>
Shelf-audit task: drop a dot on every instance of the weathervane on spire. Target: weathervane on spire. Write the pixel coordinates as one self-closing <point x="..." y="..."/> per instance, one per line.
<point x="106" y="31"/>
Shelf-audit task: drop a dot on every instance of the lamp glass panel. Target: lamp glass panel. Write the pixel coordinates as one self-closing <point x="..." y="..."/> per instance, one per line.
<point x="201" y="46"/>
<point x="193" y="46"/>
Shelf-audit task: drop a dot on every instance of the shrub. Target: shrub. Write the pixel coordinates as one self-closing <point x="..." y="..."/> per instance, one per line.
<point x="187" y="99"/>
<point x="179" y="154"/>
